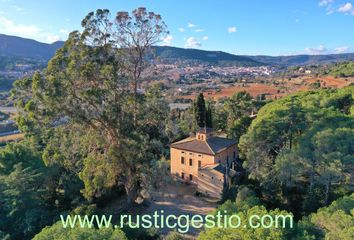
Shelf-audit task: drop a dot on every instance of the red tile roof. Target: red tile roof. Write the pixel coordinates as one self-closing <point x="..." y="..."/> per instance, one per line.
<point x="211" y="146"/>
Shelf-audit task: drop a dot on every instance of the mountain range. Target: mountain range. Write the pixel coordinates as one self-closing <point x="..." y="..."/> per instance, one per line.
<point x="28" y="48"/>
<point x="13" y="46"/>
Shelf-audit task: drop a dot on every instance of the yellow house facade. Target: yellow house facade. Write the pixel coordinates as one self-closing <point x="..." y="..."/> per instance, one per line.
<point x="204" y="160"/>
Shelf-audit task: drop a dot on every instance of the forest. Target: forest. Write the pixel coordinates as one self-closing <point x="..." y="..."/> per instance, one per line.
<point x="91" y="137"/>
<point x="344" y="69"/>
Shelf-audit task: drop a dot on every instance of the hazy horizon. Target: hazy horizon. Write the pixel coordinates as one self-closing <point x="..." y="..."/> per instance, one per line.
<point x="272" y="28"/>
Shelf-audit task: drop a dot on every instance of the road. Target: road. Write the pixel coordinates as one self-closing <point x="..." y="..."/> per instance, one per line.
<point x="8" y="109"/>
<point x="9" y="133"/>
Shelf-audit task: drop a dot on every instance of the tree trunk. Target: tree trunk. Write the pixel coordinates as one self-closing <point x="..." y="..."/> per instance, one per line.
<point x="311" y="180"/>
<point x="131" y="186"/>
<point x="135" y="110"/>
<point x="312" y="176"/>
<point x="328" y="189"/>
<point x="132" y="193"/>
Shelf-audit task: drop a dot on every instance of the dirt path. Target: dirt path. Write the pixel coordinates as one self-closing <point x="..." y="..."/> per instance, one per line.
<point x="174" y="199"/>
<point x="178" y="199"/>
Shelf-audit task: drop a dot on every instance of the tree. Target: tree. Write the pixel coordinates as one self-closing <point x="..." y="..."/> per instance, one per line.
<point x="332" y="222"/>
<point x="299" y="147"/>
<point x="180" y="124"/>
<point x="200" y="111"/>
<point x="238" y="109"/>
<point x="220" y="118"/>
<point x="23" y="212"/>
<point x="135" y="35"/>
<point x="58" y="232"/>
<point x="208" y="115"/>
<point x="4" y="236"/>
<point x="246" y="198"/>
<point x="239" y="127"/>
<point x="15" y="153"/>
<point x="248" y="232"/>
<point x="86" y="86"/>
<point x="174" y="236"/>
<point x="27" y="189"/>
<point x="239" y="105"/>
<point x="203" y="112"/>
<point x="334" y="156"/>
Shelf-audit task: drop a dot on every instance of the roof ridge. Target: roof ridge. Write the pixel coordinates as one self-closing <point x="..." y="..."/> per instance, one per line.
<point x="210" y="164"/>
<point x="183" y="141"/>
<point x="209" y="146"/>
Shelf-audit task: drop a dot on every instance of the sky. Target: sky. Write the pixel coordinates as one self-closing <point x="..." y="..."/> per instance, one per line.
<point x="244" y="27"/>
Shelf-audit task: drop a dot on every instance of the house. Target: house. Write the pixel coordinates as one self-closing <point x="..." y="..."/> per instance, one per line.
<point x="205" y="160"/>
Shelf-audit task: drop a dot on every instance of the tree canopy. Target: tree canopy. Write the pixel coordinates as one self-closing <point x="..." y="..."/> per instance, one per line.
<point x="57" y="232"/>
<point x="91" y="87"/>
<point x="303" y="142"/>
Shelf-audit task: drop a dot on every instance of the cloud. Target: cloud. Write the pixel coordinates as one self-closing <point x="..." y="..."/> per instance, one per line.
<point x="191" y="25"/>
<point x="64" y="31"/>
<point x="323" y="50"/>
<point x="330" y="11"/>
<point x="53" y="38"/>
<point x="328" y="5"/>
<point x="167" y="41"/>
<point x="205" y="38"/>
<point x="342" y="49"/>
<point x="232" y="29"/>
<point x="316" y="50"/>
<point x="181" y="29"/>
<point x="192" y="42"/>
<point x="324" y="3"/>
<point x="17" y="8"/>
<point x="199" y="30"/>
<point x="346" y="8"/>
<point x="9" y="27"/>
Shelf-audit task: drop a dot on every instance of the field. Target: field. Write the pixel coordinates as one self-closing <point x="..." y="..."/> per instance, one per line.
<point x="275" y="88"/>
<point x="330" y="81"/>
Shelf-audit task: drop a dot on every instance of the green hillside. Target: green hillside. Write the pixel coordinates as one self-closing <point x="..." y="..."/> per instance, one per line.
<point x="173" y="54"/>
<point x="344" y="69"/>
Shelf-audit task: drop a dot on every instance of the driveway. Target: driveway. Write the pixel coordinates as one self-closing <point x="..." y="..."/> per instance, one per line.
<point x="178" y="199"/>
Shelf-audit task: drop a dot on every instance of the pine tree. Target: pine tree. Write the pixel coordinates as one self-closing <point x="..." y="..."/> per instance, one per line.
<point x="208" y="117"/>
<point x="200" y="111"/>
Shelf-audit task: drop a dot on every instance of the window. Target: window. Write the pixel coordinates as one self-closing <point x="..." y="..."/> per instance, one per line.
<point x="182" y="160"/>
<point x="190" y="153"/>
<point x="182" y="175"/>
<point x="182" y="152"/>
<point x="234" y="154"/>
<point x="199" y="164"/>
<point x="190" y="162"/>
<point x="202" y="137"/>
<point x="199" y="155"/>
<point x="190" y="177"/>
